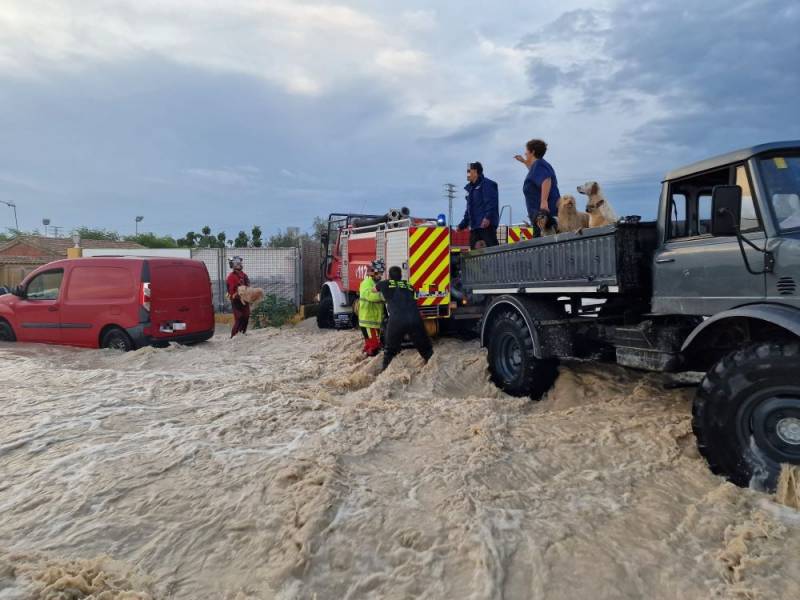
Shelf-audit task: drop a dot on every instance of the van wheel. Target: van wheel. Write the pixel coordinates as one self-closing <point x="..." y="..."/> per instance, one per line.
<point x="512" y="364"/>
<point x="6" y="332"/>
<point x="116" y="339"/>
<point x="746" y="414"/>
<point x="325" y="315"/>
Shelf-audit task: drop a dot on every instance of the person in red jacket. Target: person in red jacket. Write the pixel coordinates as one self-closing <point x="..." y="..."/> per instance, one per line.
<point x="241" y="310"/>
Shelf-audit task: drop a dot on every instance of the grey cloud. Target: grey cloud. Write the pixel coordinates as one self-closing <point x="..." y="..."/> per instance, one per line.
<point x="724" y="72"/>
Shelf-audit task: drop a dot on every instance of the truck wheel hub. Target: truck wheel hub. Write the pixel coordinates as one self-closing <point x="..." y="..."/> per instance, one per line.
<point x="788" y="430"/>
<point x="775" y="425"/>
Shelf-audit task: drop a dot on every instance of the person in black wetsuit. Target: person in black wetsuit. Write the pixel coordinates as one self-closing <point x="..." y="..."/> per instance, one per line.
<point x="404" y="318"/>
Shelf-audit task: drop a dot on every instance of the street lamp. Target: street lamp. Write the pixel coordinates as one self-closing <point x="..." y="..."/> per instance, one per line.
<point x="138" y="220"/>
<point x="14" y="206"/>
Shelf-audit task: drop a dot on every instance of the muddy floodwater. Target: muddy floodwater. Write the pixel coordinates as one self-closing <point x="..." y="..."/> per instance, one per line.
<point x="282" y="465"/>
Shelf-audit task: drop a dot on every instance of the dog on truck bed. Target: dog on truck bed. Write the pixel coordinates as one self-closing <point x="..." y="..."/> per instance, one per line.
<point x="250" y="295"/>
<point x="569" y="217"/>
<point x="545" y="225"/>
<point x="598" y="207"/>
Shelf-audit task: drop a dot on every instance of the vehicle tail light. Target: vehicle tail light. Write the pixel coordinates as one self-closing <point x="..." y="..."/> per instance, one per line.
<point x="146" y="292"/>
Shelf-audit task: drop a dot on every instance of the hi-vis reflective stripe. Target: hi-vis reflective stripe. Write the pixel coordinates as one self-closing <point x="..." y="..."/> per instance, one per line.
<point x="515" y="234"/>
<point x="429" y="264"/>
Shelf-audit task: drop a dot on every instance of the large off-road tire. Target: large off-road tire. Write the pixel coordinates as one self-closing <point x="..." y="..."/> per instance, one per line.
<point x="116" y="339"/>
<point x="7" y="332"/>
<point x="512" y="364"/>
<point x="325" y="318"/>
<point x="746" y="414"/>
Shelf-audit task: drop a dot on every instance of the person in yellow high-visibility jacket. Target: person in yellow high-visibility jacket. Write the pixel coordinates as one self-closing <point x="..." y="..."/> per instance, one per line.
<point x="370" y="309"/>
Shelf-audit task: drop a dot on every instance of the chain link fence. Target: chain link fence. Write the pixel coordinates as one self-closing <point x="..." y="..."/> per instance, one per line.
<point x="278" y="271"/>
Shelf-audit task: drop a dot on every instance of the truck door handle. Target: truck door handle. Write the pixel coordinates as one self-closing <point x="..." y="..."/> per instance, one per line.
<point x="183" y="309"/>
<point x="53" y="308"/>
<point x="661" y="261"/>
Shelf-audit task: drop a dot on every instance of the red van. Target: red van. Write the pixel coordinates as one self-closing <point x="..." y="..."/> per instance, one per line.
<point x="120" y="303"/>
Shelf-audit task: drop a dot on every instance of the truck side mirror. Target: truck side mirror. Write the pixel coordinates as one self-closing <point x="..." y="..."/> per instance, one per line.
<point x="19" y="291"/>
<point x="726" y="210"/>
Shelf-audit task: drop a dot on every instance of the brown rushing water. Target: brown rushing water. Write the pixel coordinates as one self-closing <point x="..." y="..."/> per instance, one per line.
<point x="282" y="466"/>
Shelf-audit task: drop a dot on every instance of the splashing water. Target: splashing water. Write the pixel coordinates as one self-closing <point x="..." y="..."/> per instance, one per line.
<point x="285" y="465"/>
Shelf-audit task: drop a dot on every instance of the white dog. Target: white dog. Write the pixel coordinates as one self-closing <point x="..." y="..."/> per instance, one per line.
<point x="599" y="209"/>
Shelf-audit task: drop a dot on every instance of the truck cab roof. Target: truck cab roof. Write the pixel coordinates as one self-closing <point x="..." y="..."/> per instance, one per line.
<point x="729" y="158"/>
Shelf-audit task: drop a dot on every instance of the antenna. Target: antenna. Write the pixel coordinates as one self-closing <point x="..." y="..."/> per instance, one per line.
<point x="450" y="194"/>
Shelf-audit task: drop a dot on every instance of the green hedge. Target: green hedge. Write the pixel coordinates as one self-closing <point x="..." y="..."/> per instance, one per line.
<point x="272" y="311"/>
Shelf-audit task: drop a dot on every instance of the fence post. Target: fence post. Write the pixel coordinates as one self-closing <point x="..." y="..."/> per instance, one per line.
<point x="221" y="285"/>
<point x="298" y="277"/>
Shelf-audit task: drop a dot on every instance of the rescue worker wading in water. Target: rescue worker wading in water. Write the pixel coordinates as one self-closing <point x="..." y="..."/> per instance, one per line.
<point x="241" y="310"/>
<point x="370" y="309"/>
<point x="404" y="318"/>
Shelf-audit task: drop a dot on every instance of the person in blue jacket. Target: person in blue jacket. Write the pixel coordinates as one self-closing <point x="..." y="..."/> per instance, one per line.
<point x="482" y="215"/>
<point x="540" y="187"/>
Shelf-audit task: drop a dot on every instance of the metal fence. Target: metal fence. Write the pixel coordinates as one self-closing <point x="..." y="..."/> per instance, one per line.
<point x="277" y="271"/>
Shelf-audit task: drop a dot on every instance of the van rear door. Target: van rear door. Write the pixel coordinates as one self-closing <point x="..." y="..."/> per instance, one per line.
<point x="180" y="298"/>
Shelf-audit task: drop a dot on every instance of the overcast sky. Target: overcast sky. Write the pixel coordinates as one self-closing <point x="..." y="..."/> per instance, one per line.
<point x="270" y="112"/>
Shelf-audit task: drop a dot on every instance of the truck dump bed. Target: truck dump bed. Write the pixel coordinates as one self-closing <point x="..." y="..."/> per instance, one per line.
<point x="611" y="259"/>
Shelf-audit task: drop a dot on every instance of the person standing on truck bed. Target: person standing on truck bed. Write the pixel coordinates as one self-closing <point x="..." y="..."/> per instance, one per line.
<point x="404" y="318"/>
<point x="241" y="310"/>
<point x="540" y="187"/>
<point x="370" y="309"/>
<point x="482" y="215"/>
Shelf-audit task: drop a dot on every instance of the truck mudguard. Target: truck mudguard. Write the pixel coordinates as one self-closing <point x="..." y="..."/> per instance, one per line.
<point x="547" y="342"/>
<point x="340" y="303"/>
<point x="783" y="316"/>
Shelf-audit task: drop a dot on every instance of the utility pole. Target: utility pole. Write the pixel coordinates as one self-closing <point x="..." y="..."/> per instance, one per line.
<point x="57" y="230"/>
<point x="450" y="194"/>
<point x="14" y="206"/>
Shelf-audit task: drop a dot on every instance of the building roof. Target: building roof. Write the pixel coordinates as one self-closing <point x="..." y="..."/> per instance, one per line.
<point x="730" y="158"/>
<point x="57" y="247"/>
<point x="23" y="260"/>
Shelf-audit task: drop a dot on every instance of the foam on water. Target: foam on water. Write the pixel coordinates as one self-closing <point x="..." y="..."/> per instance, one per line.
<point x="285" y="465"/>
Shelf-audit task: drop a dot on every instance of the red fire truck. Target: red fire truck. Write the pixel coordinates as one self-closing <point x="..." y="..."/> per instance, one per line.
<point x="425" y="249"/>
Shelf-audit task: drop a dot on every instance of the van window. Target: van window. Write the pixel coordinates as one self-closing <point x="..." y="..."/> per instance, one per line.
<point x="179" y="281"/>
<point x="45" y="286"/>
<point x="101" y="283"/>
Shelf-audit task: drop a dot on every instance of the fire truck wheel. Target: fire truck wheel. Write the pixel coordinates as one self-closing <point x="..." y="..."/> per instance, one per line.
<point x="325" y="314"/>
<point x="512" y="364"/>
<point x="746" y="414"/>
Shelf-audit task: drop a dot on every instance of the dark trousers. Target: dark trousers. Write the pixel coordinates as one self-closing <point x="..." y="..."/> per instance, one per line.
<point x="397" y="329"/>
<point x="241" y="317"/>
<point x="488" y="235"/>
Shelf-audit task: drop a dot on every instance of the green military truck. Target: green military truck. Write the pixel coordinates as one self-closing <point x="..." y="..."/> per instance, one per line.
<point x="713" y="285"/>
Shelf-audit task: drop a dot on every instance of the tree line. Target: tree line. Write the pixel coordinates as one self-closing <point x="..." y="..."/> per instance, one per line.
<point x="205" y="238"/>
